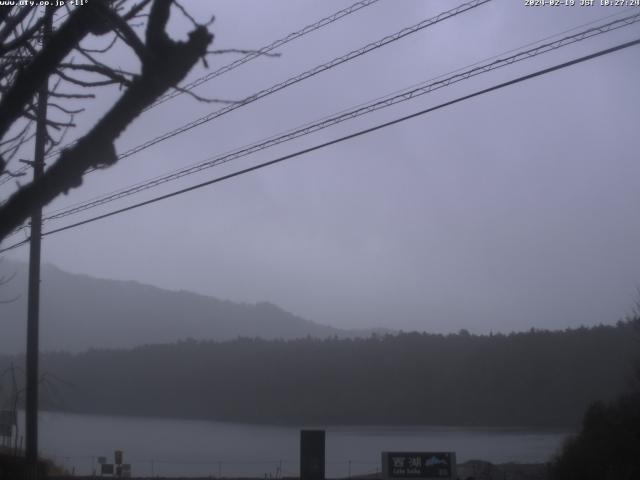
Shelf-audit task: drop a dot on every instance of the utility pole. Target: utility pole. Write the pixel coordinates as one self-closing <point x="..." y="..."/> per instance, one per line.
<point x="14" y="387"/>
<point x="33" y="311"/>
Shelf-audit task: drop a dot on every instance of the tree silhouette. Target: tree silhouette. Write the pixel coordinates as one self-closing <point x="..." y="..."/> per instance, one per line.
<point x="30" y="55"/>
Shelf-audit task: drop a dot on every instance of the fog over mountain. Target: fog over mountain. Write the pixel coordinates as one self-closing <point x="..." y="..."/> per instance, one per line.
<point x="79" y="312"/>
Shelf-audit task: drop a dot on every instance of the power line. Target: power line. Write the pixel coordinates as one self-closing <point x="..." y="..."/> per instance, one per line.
<point x="294" y="35"/>
<point x="121" y="193"/>
<point x="266" y="49"/>
<point x="280" y="42"/>
<point x="309" y="73"/>
<point x="252" y="55"/>
<point x="406" y="94"/>
<point x="101" y="199"/>
<point x="478" y="93"/>
<point x="307" y="129"/>
<point x="497" y="56"/>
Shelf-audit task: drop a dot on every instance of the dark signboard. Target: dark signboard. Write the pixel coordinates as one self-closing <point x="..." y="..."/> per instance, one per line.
<point x="416" y="465"/>
<point x="312" y="454"/>
<point x="106" y="469"/>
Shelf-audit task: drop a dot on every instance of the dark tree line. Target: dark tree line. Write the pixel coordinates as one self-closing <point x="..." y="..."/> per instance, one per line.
<point x="537" y="378"/>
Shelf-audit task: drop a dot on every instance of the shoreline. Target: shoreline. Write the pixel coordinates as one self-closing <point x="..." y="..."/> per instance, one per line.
<point x="476" y="469"/>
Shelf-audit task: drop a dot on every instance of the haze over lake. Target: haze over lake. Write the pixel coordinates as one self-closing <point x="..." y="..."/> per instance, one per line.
<point x="193" y="448"/>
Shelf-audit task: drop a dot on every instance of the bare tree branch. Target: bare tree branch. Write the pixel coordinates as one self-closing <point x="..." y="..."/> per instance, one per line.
<point x="101" y="50"/>
<point x="116" y="75"/>
<point x="81" y="22"/>
<point x="71" y="95"/>
<point x="165" y="64"/>
<point x="124" y="31"/>
<point x="135" y="10"/>
<point x="113" y="79"/>
<point x="13" y="21"/>
<point x="66" y="110"/>
<point x="204" y="99"/>
<point x="23" y="38"/>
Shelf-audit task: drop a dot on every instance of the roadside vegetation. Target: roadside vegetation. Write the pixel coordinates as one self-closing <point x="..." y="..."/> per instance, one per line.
<point x="607" y="446"/>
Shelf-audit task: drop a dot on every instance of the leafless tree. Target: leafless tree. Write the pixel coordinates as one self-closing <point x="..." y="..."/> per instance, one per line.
<point x="66" y="56"/>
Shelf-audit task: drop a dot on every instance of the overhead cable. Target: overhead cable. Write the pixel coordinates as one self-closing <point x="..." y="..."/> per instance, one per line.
<point x="309" y="73"/>
<point x="253" y="55"/>
<point x="307" y="129"/>
<point x="341" y="139"/>
<point x="266" y="49"/>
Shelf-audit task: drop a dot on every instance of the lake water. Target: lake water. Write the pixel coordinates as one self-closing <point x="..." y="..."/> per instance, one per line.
<point x="170" y="447"/>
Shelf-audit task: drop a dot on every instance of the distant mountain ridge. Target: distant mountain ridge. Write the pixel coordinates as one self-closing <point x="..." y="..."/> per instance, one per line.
<point x="79" y="312"/>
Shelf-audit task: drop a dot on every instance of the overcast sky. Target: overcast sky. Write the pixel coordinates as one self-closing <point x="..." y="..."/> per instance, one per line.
<point x="513" y="210"/>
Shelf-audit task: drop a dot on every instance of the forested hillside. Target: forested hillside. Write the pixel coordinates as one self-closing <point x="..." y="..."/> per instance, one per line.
<point x="537" y="378"/>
